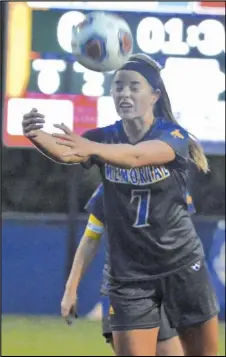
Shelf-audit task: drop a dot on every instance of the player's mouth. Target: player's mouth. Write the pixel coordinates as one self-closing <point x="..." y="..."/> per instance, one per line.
<point x="125" y="105"/>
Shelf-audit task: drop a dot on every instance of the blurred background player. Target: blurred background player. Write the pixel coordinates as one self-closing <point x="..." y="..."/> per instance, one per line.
<point x="168" y="341"/>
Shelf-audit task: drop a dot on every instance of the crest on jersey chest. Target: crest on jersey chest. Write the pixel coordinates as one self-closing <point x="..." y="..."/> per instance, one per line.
<point x="139" y="176"/>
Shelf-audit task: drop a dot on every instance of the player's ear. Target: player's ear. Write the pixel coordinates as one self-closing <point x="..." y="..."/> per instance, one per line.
<point x="155" y="96"/>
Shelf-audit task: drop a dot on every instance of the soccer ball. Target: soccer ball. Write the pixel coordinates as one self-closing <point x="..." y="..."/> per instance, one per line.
<point x="102" y="42"/>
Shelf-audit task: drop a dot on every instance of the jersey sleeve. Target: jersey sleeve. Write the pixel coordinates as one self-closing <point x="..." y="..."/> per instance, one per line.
<point x="177" y="138"/>
<point x="95" y="205"/>
<point x="94" y="135"/>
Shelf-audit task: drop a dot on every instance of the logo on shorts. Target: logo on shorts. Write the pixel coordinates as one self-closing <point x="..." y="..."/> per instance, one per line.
<point x="111" y="310"/>
<point x="196" y="266"/>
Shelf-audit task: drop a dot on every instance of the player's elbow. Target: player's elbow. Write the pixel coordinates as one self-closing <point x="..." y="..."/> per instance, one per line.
<point x="151" y="153"/>
<point x="134" y="161"/>
<point x="143" y="160"/>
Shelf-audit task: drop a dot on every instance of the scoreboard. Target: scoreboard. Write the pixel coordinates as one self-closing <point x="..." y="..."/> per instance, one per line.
<point x="41" y="71"/>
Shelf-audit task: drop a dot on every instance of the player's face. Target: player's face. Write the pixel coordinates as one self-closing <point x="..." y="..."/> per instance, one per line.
<point x="132" y="94"/>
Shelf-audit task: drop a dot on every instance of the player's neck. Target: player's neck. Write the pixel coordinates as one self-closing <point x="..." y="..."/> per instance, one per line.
<point x="135" y="129"/>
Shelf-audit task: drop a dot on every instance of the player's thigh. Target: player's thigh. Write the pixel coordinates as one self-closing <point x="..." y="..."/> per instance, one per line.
<point x="168" y="341"/>
<point x="170" y="347"/>
<point x="201" y="339"/>
<point x="135" y="325"/>
<point x="190" y="304"/>
<point x="139" y="342"/>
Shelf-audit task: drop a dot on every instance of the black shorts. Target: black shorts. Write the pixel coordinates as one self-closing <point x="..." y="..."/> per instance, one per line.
<point x="187" y="295"/>
<point x="165" y="331"/>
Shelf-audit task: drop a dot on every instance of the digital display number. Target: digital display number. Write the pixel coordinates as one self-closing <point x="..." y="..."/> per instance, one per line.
<point x="170" y="35"/>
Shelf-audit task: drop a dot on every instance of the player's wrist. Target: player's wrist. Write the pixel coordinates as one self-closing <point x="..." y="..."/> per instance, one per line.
<point x="97" y="148"/>
<point x="71" y="287"/>
<point x="71" y="291"/>
<point x="35" y="135"/>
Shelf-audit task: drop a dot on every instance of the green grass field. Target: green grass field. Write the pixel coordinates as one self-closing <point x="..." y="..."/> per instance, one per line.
<point x="46" y="336"/>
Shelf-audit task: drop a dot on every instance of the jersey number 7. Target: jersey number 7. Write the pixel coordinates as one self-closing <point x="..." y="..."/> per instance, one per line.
<point x="143" y="198"/>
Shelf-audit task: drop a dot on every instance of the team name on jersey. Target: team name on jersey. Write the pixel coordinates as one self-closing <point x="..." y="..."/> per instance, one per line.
<point x="136" y="176"/>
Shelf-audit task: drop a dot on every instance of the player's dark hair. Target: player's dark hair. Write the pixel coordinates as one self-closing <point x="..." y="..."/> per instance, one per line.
<point x="163" y="109"/>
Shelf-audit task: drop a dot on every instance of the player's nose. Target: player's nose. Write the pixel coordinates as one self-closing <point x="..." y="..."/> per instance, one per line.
<point x="126" y="92"/>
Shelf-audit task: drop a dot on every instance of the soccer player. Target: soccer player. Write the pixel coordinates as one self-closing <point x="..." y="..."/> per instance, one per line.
<point x="168" y="341"/>
<point x="155" y="255"/>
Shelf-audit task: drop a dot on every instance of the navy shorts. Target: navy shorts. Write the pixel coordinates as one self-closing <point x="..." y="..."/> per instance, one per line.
<point x="187" y="295"/>
<point x="165" y="332"/>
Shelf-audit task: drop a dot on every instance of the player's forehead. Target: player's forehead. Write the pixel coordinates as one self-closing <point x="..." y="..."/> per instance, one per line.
<point x="127" y="77"/>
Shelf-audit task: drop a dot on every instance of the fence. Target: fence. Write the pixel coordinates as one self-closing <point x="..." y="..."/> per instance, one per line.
<point x="34" y="265"/>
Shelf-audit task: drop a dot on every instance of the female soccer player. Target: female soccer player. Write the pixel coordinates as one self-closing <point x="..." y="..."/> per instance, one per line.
<point x="155" y="255"/>
<point x="168" y="343"/>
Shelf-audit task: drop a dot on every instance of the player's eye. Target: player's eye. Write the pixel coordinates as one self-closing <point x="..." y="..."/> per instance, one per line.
<point x="135" y="89"/>
<point x="119" y="89"/>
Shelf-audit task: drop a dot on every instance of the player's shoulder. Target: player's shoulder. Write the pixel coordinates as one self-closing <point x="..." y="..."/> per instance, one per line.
<point x="172" y="128"/>
<point x="110" y="131"/>
<point x="112" y="127"/>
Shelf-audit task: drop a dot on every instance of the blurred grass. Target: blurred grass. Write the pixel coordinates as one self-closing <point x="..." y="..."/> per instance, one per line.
<point x="50" y="336"/>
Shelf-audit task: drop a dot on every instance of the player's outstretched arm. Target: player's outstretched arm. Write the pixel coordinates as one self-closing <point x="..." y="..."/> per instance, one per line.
<point x="45" y="143"/>
<point x="162" y="150"/>
<point x="154" y="152"/>
<point x="84" y="255"/>
<point x="171" y="142"/>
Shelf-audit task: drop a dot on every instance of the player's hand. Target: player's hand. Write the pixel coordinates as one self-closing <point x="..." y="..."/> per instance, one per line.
<point x="68" y="307"/>
<point x="78" y="145"/>
<point x="32" y="122"/>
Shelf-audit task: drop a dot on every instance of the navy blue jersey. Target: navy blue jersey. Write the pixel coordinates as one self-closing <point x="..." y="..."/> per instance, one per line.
<point x="150" y="232"/>
<point x="95" y="206"/>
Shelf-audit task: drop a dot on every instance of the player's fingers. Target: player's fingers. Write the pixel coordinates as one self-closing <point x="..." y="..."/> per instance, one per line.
<point x="26" y="122"/>
<point x="68" y="320"/>
<point x="69" y="144"/>
<point x="62" y="136"/>
<point x="72" y="315"/>
<point x="33" y="114"/>
<point x="72" y="309"/>
<point x="31" y="127"/>
<point x="63" y="127"/>
<point x="73" y="312"/>
<point x="72" y="153"/>
<point x="30" y="135"/>
<point x="64" y="311"/>
<point x="65" y="308"/>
